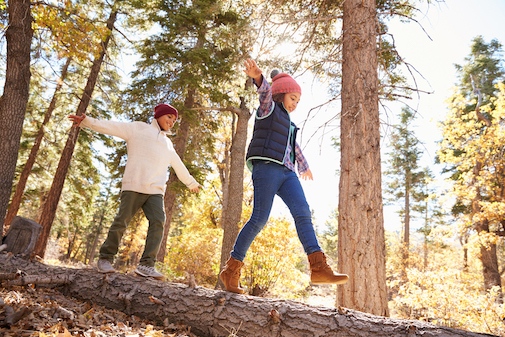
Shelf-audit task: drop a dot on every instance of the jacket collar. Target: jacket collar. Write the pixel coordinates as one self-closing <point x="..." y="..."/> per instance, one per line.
<point x="155" y="124"/>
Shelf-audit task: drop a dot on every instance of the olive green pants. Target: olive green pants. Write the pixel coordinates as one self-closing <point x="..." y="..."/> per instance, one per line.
<point x="131" y="202"/>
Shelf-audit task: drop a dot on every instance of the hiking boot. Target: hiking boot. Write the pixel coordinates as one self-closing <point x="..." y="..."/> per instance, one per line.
<point x="321" y="273"/>
<point x="104" y="266"/>
<point x="230" y="276"/>
<point x="149" y="272"/>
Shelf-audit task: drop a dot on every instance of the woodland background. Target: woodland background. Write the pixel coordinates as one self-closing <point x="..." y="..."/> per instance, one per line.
<point x="190" y="54"/>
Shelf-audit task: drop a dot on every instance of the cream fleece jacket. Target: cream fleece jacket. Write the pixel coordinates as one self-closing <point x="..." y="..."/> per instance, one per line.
<point x="150" y="153"/>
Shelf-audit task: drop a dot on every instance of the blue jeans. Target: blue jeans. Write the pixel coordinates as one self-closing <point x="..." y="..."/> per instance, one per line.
<point x="270" y="179"/>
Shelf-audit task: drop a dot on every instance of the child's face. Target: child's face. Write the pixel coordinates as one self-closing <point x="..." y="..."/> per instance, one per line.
<point x="166" y="122"/>
<point x="291" y="100"/>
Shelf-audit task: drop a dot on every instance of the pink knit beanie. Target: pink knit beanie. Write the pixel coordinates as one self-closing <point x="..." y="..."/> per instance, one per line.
<point x="165" y="109"/>
<point x="282" y="83"/>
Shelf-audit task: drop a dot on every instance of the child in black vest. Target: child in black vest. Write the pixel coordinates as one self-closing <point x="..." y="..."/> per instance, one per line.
<point x="271" y="156"/>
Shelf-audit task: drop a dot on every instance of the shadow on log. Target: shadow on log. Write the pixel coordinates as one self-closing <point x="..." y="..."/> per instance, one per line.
<point x="212" y="313"/>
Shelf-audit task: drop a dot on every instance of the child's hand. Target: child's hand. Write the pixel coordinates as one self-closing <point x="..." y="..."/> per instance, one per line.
<point x="307" y="175"/>
<point x="76" y="120"/>
<point x="196" y="188"/>
<point x="252" y="70"/>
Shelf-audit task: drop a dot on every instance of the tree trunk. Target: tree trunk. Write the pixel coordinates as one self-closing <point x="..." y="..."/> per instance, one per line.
<point x="361" y="242"/>
<point x="213" y="313"/>
<point x="406" y="231"/>
<point x="51" y="203"/>
<point x="488" y="255"/>
<point x="27" y="169"/>
<point x="463" y="240"/>
<point x="425" y="236"/>
<point x="406" y="228"/>
<point x="232" y="208"/>
<point x="93" y="244"/>
<point x="489" y="258"/>
<point x="180" y="142"/>
<point x="15" y="96"/>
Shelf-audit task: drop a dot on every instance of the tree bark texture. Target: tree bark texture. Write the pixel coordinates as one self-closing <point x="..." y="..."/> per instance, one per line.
<point x="15" y="95"/>
<point x="27" y="169"/>
<point x="213" y="313"/>
<point x="488" y="253"/>
<point x="361" y="243"/>
<point x="489" y="259"/>
<point x="51" y="204"/>
<point x="232" y="208"/>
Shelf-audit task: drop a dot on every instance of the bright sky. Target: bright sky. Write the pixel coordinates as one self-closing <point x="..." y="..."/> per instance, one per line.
<point x="449" y="28"/>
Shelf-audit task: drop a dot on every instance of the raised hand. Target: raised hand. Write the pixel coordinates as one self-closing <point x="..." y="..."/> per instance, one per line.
<point x="252" y="70"/>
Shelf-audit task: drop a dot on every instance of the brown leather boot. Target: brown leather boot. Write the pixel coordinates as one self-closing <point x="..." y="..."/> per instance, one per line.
<point x="321" y="273"/>
<point x="230" y="275"/>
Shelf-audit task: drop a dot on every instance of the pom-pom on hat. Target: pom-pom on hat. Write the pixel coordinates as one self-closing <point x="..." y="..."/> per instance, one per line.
<point x="283" y="83"/>
<point x="165" y="109"/>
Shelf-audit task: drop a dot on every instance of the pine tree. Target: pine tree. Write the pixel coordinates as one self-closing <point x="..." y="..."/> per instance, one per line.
<point x="406" y="178"/>
<point x="189" y="62"/>
<point x="51" y="203"/>
<point x="472" y="150"/>
<point x="15" y="95"/>
<point x="361" y="242"/>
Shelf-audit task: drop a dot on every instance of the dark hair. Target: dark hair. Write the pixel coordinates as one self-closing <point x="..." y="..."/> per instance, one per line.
<point x="279" y="98"/>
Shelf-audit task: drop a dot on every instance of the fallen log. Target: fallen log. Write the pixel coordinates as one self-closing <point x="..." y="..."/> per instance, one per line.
<point x="215" y="313"/>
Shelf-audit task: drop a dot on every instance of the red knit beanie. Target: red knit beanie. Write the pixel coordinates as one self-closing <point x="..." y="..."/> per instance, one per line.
<point x="165" y="109"/>
<point x="282" y="83"/>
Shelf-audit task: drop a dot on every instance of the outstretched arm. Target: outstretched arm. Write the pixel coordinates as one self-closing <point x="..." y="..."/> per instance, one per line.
<point x="265" y="93"/>
<point x="122" y="130"/>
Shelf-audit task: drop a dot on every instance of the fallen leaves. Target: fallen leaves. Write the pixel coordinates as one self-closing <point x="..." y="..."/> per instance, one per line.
<point x="48" y="313"/>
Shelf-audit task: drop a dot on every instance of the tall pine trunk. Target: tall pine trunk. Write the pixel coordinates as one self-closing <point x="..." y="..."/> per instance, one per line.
<point x="50" y="205"/>
<point x="15" y="95"/>
<point x="361" y="243"/>
<point x="27" y="169"/>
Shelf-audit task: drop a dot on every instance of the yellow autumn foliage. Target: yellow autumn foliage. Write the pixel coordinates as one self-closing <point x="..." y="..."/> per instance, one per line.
<point x="275" y="264"/>
<point x="195" y="251"/>
<point x="445" y="293"/>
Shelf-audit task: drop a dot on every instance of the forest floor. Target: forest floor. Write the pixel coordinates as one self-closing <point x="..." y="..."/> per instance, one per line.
<point x="48" y="313"/>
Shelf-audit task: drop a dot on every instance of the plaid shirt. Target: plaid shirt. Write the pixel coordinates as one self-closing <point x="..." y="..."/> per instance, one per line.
<point x="265" y="96"/>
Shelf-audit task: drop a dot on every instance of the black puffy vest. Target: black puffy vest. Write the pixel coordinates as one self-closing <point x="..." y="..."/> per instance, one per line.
<point x="271" y="136"/>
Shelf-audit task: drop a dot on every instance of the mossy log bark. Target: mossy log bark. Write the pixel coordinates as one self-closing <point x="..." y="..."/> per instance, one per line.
<point x="211" y="312"/>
